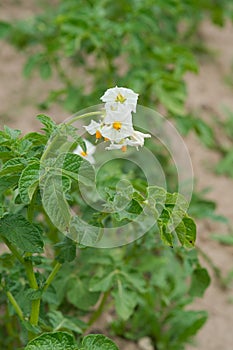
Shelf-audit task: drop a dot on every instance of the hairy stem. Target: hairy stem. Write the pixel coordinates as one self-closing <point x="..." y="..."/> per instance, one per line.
<point x="85" y="115"/>
<point x="35" y="310"/>
<point x="15" y="305"/>
<point x="51" y="276"/>
<point x="30" y="274"/>
<point x="13" y="250"/>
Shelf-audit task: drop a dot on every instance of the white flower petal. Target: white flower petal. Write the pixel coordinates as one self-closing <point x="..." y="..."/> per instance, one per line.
<point x="122" y="114"/>
<point x="90" y="150"/>
<point x="93" y="127"/>
<point x="114" y="135"/>
<point x="137" y="139"/>
<point x="120" y="96"/>
<point x="113" y="146"/>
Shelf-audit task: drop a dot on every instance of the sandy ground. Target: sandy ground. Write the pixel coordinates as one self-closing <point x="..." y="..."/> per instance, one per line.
<point x="207" y="93"/>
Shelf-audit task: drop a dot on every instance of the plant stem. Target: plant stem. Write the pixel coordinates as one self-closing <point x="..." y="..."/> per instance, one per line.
<point x="30" y="209"/>
<point x="13" y="250"/>
<point x="51" y="276"/>
<point x="99" y="310"/>
<point x="85" y="115"/>
<point x="35" y="310"/>
<point x="30" y="273"/>
<point x="15" y="305"/>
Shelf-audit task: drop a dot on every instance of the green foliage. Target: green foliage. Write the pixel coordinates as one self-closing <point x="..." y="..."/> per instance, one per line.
<point x="202" y="208"/>
<point x="224" y="144"/>
<point x="97" y="342"/>
<point x="161" y="305"/>
<point x="223" y="239"/>
<point x="56" y="341"/>
<point x="145" y="281"/>
<point x="200" y="281"/>
<point x="62" y="340"/>
<point x="28" y="182"/>
<point x="20" y="232"/>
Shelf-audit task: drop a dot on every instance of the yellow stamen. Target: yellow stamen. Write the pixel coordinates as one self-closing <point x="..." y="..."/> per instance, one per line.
<point x="120" y="98"/>
<point x="117" y="125"/>
<point x="106" y="139"/>
<point x="98" y="134"/>
<point x="124" y="148"/>
<point x="84" y="154"/>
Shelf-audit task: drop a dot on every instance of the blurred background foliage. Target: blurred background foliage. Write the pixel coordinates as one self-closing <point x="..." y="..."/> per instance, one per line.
<point x="147" y="45"/>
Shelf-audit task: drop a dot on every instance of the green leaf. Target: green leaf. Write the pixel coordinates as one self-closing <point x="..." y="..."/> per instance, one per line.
<point x="12" y="133"/>
<point x="20" y="232"/>
<point x="190" y="235"/>
<point x="79" y="294"/>
<point x="176" y="199"/>
<point x="165" y="234"/>
<point x="31" y="64"/>
<point x="200" y="282"/>
<point x="59" y="322"/>
<point x="84" y="233"/>
<point x="67" y="250"/>
<point x="13" y="165"/>
<point x="54" y="202"/>
<point x="7" y="182"/>
<point x="125" y="301"/>
<point x="52" y="341"/>
<point x="76" y="167"/>
<point x="204" y="132"/>
<point x="28" y="182"/>
<point x="49" y="124"/>
<point x="189" y="323"/>
<point x="225" y="164"/>
<point x="36" y="138"/>
<point x="102" y="284"/>
<point x="29" y="327"/>
<point x="33" y="294"/>
<point x="135" y="280"/>
<point x="98" y="342"/>
<point x="223" y="239"/>
<point x="4" y="28"/>
<point x="45" y="70"/>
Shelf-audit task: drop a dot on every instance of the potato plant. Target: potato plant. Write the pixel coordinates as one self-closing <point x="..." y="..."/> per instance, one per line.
<point x="68" y="262"/>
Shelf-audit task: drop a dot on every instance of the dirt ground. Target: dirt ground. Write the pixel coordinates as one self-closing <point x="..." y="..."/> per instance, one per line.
<point x="208" y="92"/>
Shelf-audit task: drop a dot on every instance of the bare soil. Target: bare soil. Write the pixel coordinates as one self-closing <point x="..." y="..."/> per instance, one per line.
<point x="208" y="92"/>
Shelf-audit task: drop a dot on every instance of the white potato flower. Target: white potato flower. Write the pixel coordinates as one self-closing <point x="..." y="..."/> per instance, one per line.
<point x="94" y="128"/>
<point x="116" y="126"/>
<point x="117" y="96"/>
<point x="113" y="146"/>
<point x="137" y="139"/>
<point x="122" y="114"/>
<point x="116" y="131"/>
<point x="90" y="150"/>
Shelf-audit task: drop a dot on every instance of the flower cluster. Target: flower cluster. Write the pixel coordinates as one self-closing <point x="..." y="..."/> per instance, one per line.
<point x="116" y="125"/>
